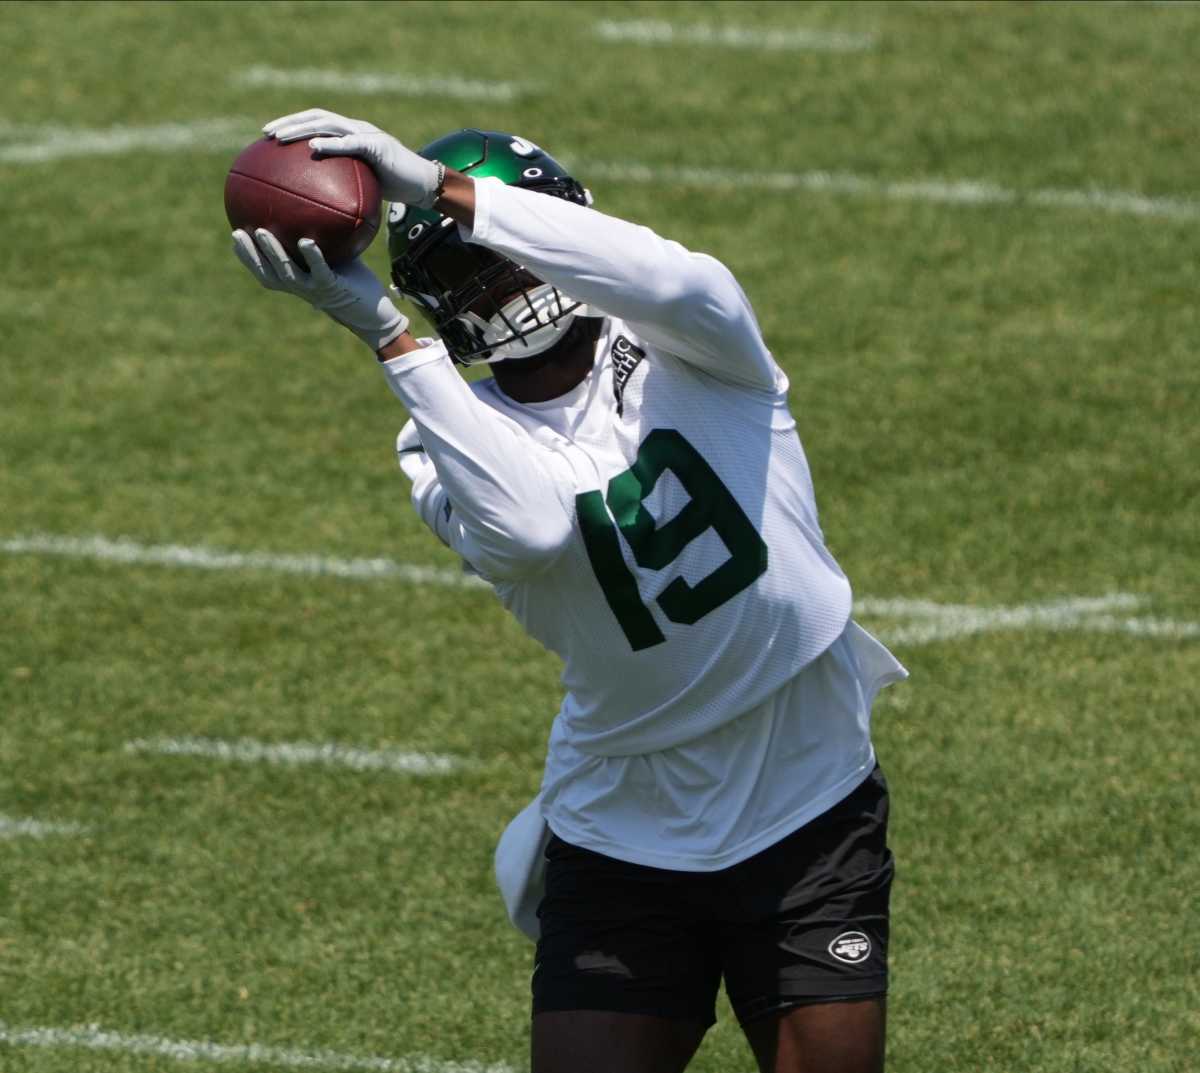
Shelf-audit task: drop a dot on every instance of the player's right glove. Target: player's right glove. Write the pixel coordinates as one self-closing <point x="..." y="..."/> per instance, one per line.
<point x="403" y="176"/>
<point x="353" y="295"/>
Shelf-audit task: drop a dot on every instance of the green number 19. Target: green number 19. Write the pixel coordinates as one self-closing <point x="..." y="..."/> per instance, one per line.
<point x="711" y="506"/>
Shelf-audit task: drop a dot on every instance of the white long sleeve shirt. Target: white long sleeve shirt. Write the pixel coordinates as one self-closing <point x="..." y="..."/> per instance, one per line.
<point x="656" y="528"/>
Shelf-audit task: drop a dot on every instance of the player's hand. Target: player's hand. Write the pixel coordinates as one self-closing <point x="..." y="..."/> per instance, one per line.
<point x="403" y="175"/>
<point x="353" y="296"/>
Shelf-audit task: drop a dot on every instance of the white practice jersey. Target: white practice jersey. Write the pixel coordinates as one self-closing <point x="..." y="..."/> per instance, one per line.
<point x="656" y="528"/>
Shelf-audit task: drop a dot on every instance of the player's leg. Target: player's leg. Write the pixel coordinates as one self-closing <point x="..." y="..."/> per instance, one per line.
<point x="827" y="1037"/>
<point x="600" y="1041"/>
<point x="625" y="979"/>
<point x="806" y="963"/>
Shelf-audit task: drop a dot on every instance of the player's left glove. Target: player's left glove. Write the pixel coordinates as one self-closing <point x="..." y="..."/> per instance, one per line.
<point x="353" y="295"/>
<point x="403" y="175"/>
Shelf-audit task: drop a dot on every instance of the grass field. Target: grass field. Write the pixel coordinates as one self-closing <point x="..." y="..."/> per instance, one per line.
<point x="972" y="235"/>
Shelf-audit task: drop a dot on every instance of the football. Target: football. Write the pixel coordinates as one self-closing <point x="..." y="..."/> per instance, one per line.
<point x="295" y="194"/>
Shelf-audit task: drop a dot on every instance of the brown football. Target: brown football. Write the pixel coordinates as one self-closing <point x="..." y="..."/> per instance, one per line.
<point x="295" y="194"/>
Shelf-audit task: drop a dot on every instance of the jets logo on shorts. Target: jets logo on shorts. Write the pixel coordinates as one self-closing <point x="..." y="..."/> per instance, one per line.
<point x="851" y="947"/>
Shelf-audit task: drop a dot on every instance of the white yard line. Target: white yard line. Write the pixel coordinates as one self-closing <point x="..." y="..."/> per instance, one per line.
<point x="661" y="32"/>
<point x="225" y="134"/>
<point x="294" y="753"/>
<point x="36" y="145"/>
<point x="938" y="191"/>
<point x="378" y="83"/>
<point x="95" y="1038"/>
<point x="928" y="623"/>
<point x="1141" y="627"/>
<point x="202" y="558"/>
<point x="10" y="827"/>
<point x="1071" y="606"/>
<point x="920" y="621"/>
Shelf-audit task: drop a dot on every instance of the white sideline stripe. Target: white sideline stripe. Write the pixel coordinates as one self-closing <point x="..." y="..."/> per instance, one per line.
<point x="222" y="135"/>
<point x="378" y="83"/>
<point x="660" y="32"/>
<point x="11" y="827"/>
<point x="55" y="143"/>
<point x="940" y="191"/>
<point x="128" y="551"/>
<point x="248" y="751"/>
<point x="95" y="1038"/>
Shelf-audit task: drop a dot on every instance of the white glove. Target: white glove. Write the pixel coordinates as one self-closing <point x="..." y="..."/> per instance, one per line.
<point x="353" y="296"/>
<point x="403" y="176"/>
<point x="428" y="496"/>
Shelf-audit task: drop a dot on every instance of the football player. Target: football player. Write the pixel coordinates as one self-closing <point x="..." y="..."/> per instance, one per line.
<point x="631" y="483"/>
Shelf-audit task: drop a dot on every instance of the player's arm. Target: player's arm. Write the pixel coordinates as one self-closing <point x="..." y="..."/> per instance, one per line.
<point x="510" y="495"/>
<point x="687" y="303"/>
<point x="501" y="500"/>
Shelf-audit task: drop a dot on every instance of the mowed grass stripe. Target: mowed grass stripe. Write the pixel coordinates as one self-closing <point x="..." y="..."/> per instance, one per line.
<point x="927" y="621"/>
<point x="222" y="135"/>
<point x="95" y="1038"/>
<point x="297" y="753"/>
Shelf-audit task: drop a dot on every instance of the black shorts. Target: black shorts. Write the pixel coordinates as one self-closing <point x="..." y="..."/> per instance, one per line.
<point x="804" y="921"/>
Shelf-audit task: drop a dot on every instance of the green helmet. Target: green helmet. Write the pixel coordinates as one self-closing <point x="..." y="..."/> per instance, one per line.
<point x="485" y="307"/>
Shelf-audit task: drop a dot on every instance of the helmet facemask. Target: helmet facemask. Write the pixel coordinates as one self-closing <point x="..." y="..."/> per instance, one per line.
<point x="485" y="307"/>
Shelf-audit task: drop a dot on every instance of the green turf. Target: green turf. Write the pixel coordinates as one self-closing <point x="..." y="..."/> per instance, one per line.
<point x="999" y="404"/>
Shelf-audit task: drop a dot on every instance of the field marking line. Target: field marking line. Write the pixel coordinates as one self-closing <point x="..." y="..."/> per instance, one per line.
<point x="296" y="753"/>
<point x="924" y="621"/>
<point x="661" y="32"/>
<point x="1142" y="627"/>
<point x="933" y="190"/>
<point x="130" y="552"/>
<point x="12" y="827"/>
<point x="1069" y="606"/>
<point x="930" y="622"/>
<point x="95" y="1038"/>
<point x="45" y="143"/>
<point x="225" y="134"/>
<point x="377" y="83"/>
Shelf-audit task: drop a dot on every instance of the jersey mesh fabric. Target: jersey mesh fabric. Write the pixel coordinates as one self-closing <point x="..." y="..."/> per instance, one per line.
<point x="624" y="701"/>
